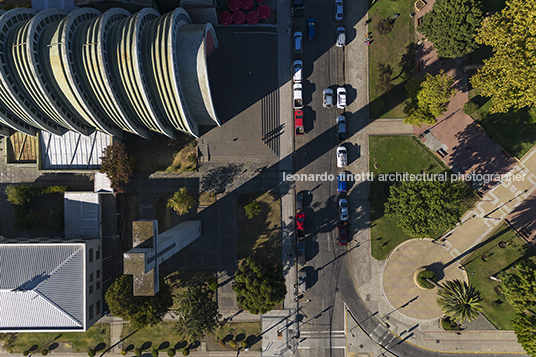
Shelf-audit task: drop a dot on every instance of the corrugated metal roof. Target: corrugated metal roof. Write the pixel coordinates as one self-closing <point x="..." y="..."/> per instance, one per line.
<point x="82" y="215"/>
<point x="72" y="151"/>
<point x="41" y="286"/>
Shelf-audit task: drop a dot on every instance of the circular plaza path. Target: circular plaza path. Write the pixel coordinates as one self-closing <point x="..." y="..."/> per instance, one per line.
<point x="398" y="277"/>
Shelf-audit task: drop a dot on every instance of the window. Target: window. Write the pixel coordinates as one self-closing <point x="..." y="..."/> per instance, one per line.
<point x="98" y="285"/>
<point x="97" y="253"/>
<point x="90" y="312"/>
<point x="97" y="308"/>
<point x="90" y="255"/>
<point x="98" y="274"/>
<point x="90" y="277"/>
<point x="91" y="289"/>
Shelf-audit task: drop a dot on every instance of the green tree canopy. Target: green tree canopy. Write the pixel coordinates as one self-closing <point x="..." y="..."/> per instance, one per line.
<point x="525" y="329"/>
<point x="451" y="26"/>
<point x="259" y="286"/>
<point x="182" y="201"/>
<point x="198" y="312"/>
<point x="508" y="77"/>
<point x="519" y="288"/>
<point x="459" y="300"/>
<point x="429" y="98"/>
<point x="117" y="165"/>
<point x="422" y="207"/>
<point x="141" y="311"/>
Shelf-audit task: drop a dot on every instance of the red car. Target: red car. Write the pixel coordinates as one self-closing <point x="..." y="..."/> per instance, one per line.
<point x="341" y="228"/>
<point x="300" y="224"/>
<point x="298" y="122"/>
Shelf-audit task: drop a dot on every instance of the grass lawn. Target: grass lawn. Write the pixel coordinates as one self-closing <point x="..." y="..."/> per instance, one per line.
<point x="508" y="129"/>
<point x="162" y="153"/>
<point x="500" y="259"/>
<point x="394" y="49"/>
<point x="163" y="336"/>
<point x="260" y="237"/>
<point x="394" y="154"/>
<point x="98" y="334"/>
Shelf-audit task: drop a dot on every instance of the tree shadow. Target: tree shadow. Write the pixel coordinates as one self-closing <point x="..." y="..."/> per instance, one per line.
<point x="180" y="345"/>
<point x="253" y="339"/>
<point x="240" y="337"/>
<point x="228" y="338"/>
<point x="146" y="345"/>
<point x="129" y="347"/>
<point x="439" y="270"/>
<point x="163" y="345"/>
<point x="33" y="348"/>
<point x="194" y="345"/>
<point x="220" y="178"/>
<point x="101" y="346"/>
<point x="53" y="346"/>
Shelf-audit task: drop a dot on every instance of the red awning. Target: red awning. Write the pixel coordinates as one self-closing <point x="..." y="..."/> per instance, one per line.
<point x="247" y="4"/>
<point x="252" y="18"/>
<point x="233" y="5"/>
<point x="226" y="18"/>
<point x="239" y="17"/>
<point x="264" y="11"/>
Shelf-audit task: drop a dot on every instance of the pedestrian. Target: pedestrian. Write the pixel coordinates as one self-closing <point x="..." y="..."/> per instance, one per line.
<point x="367" y="42"/>
<point x="308" y="300"/>
<point x="235" y="139"/>
<point x="264" y="139"/>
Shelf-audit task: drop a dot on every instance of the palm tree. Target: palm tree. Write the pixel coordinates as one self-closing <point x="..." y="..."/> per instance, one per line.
<point x="459" y="300"/>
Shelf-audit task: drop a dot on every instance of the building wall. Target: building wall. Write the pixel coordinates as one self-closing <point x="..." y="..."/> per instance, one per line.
<point x="94" y="291"/>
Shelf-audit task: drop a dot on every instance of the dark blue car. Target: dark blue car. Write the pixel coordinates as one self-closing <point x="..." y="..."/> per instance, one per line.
<point x="311" y="29"/>
<point x="341" y="183"/>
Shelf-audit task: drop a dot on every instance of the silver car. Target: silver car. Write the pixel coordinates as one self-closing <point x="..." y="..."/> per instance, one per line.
<point x="302" y="281"/>
<point x="327" y="98"/>
<point x="341" y="37"/>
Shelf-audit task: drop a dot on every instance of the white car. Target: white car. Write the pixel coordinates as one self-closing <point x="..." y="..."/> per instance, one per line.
<point x="327" y="98"/>
<point x="339" y="10"/>
<point x="343" y="209"/>
<point x="341" y="37"/>
<point x="298" y="71"/>
<point x="341" y="98"/>
<point x="298" y="42"/>
<point x="302" y="281"/>
<point x="342" y="157"/>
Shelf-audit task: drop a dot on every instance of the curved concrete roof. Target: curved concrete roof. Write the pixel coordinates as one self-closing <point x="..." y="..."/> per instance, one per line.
<point x="112" y="72"/>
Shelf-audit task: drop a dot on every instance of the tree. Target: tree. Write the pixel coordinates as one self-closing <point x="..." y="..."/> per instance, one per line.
<point x="117" y="165"/>
<point x="451" y="26"/>
<point x="429" y="98"/>
<point x="519" y="288"/>
<point x="198" y="312"/>
<point x="252" y="209"/>
<point x="141" y="311"/>
<point x="525" y="329"/>
<point x="259" y="286"/>
<point x="423" y="207"/>
<point x="182" y="201"/>
<point x="508" y="77"/>
<point x="459" y="301"/>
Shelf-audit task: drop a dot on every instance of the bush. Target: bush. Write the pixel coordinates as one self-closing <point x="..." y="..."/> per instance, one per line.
<point x="171" y="352"/>
<point x="185" y="352"/>
<point x="213" y="284"/>
<point x="91" y="353"/>
<point x="123" y="353"/>
<point x="423" y="275"/>
<point x="244" y="344"/>
<point x="449" y="325"/>
<point x="221" y="343"/>
<point x="385" y="26"/>
<point x="252" y="209"/>
<point x="25" y="353"/>
<point x="137" y="352"/>
<point x="232" y="343"/>
<point x="182" y="201"/>
<point x="154" y="353"/>
<point x="385" y="72"/>
<point x="470" y="107"/>
<point x="44" y="352"/>
<point x="117" y="165"/>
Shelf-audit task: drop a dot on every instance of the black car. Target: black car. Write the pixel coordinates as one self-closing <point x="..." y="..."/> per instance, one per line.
<point x="297" y="8"/>
<point x="299" y="201"/>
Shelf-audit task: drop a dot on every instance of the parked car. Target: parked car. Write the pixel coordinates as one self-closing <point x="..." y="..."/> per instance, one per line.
<point x="341" y="128"/>
<point x="300" y="224"/>
<point x="339" y="10"/>
<point x="301" y="252"/>
<point x="302" y="281"/>
<point x="341" y="183"/>
<point x="341" y="97"/>
<point x="342" y="236"/>
<point x="297" y="8"/>
<point x="311" y="29"/>
<point x="298" y="42"/>
<point x="297" y="73"/>
<point x="297" y="95"/>
<point x="342" y="157"/>
<point x="299" y="201"/>
<point x="343" y="209"/>
<point x="328" y="98"/>
<point x="298" y="122"/>
<point x="341" y="37"/>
